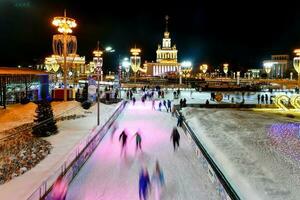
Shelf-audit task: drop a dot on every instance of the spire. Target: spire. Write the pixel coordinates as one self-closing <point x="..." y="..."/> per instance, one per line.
<point x="167" y="20"/>
<point x="166" y="34"/>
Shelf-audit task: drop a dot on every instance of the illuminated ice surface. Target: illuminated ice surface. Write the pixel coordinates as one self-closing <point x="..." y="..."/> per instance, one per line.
<point x="107" y="176"/>
<point x="258" y="152"/>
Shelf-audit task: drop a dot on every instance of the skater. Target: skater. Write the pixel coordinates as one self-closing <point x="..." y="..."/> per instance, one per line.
<point x="173" y="111"/>
<point x="138" y="140"/>
<point x="175" y="137"/>
<point x="159" y="106"/>
<point x="123" y="137"/>
<point x="144" y="184"/>
<point x="266" y="97"/>
<point x="184" y="103"/>
<point x="180" y="120"/>
<point x="165" y="104"/>
<point x="59" y="191"/>
<point x="158" y="181"/>
<point x="114" y="129"/>
<point x="130" y="94"/>
<point x="153" y="104"/>
<point x="169" y="105"/>
<point x="181" y="103"/>
<point x="258" y="98"/>
<point x="133" y="101"/>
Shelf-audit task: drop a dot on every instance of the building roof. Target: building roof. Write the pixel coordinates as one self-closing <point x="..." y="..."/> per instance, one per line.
<point x="17" y="71"/>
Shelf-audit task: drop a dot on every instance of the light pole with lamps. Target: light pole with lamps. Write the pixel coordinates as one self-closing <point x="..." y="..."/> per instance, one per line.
<point x="225" y="69"/>
<point x="98" y="63"/>
<point x="268" y="67"/>
<point x="186" y="68"/>
<point x="135" y="61"/>
<point x="296" y="63"/>
<point x="204" y="68"/>
<point x="64" y="44"/>
<point x="126" y="66"/>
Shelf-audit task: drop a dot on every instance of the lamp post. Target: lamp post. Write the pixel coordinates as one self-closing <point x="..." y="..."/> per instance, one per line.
<point x="64" y="44"/>
<point x="98" y="63"/>
<point x="296" y="63"/>
<point x="126" y="66"/>
<point x="268" y="67"/>
<point x="135" y="61"/>
<point x="204" y="68"/>
<point x="186" y="68"/>
<point x="225" y="69"/>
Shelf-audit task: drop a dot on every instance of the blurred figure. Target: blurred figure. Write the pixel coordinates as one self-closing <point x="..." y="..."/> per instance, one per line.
<point x="158" y="181"/>
<point x="144" y="184"/>
<point x="138" y="140"/>
<point x="133" y="100"/>
<point x="180" y="120"/>
<point x="153" y="104"/>
<point x="169" y="105"/>
<point x="59" y="191"/>
<point x="114" y="129"/>
<point x="159" y="106"/>
<point x="123" y="139"/>
<point x="165" y="104"/>
<point x="173" y="110"/>
<point x="175" y="137"/>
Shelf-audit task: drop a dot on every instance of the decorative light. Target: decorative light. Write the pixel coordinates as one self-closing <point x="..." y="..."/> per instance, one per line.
<point x="64" y="24"/>
<point x="296" y="63"/>
<point x="225" y="68"/>
<point x="268" y="66"/>
<point x="204" y="68"/>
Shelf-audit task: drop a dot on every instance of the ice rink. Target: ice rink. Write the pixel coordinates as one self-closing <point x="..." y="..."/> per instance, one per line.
<point x="107" y="175"/>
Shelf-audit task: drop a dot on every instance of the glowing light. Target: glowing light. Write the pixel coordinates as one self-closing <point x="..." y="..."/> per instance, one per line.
<point x="64" y="24"/>
<point x="225" y="68"/>
<point x="268" y="66"/>
<point x="204" y="68"/>
<point x="186" y="64"/>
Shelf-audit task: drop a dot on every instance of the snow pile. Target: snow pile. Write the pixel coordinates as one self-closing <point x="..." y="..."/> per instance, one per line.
<point x="258" y="161"/>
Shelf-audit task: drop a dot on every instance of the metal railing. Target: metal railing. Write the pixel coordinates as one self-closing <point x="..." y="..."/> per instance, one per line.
<point x="76" y="159"/>
<point x="225" y="189"/>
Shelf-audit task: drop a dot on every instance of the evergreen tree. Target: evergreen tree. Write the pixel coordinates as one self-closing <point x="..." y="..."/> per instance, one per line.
<point x="85" y="93"/>
<point x="45" y="124"/>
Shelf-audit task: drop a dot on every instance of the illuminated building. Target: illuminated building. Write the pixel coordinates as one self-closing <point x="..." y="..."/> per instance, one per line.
<point x="166" y="57"/>
<point x="280" y="67"/>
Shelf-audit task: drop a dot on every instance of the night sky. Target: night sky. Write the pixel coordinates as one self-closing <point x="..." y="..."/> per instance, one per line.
<point x="212" y="32"/>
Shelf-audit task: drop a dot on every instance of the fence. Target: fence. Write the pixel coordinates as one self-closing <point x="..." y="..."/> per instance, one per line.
<point x="223" y="186"/>
<point x="76" y="159"/>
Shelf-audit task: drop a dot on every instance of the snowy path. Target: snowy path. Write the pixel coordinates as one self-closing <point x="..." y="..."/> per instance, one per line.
<point x="106" y="176"/>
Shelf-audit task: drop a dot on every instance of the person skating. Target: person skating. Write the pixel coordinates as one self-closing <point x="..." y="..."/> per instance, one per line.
<point x="175" y="137"/>
<point x="169" y="105"/>
<point x="123" y="139"/>
<point x="138" y="140"/>
<point x="180" y="120"/>
<point x="173" y="111"/>
<point x="159" y="106"/>
<point x="165" y="104"/>
<point x="133" y="100"/>
<point x="153" y="104"/>
<point x="157" y="181"/>
<point x="144" y="184"/>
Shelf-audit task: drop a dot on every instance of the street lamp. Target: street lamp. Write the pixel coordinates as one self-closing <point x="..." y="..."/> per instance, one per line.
<point x="135" y="61"/>
<point x="204" y="68"/>
<point x="296" y="63"/>
<point x="225" y="69"/>
<point x="268" y="67"/>
<point x="126" y="66"/>
<point x="186" y="68"/>
<point x="98" y="63"/>
<point x="64" y="44"/>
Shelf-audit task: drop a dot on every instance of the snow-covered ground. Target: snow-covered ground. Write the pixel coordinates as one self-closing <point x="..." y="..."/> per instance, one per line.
<point x="107" y="176"/>
<point x="258" y="152"/>
<point x="71" y="132"/>
<point x="18" y="114"/>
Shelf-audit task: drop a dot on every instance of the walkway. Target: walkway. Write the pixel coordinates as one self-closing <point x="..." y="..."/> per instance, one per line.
<point x="107" y="176"/>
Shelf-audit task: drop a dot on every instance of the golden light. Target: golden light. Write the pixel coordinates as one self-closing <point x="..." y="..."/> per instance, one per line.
<point x="204" y="68"/>
<point x="297" y="52"/>
<point x="97" y="53"/>
<point x="64" y="24"/>
<point x="135" y="51"/>
<point x="225" y="68"/>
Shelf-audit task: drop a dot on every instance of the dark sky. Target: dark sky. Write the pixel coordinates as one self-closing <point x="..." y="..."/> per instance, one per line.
<point x="241" y="33"/>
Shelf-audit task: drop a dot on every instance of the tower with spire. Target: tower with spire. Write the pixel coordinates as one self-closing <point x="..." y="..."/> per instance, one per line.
<point x="166" y="56"/>
<point x="166" y="53"/>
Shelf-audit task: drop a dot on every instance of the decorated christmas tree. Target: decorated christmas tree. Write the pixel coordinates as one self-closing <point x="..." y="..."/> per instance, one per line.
<point x="45" y="124"/>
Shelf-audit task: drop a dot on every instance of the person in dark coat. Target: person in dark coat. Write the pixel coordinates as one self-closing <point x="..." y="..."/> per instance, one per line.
<point x="165" y="104"/>
<point x="180" y="120"/>
<point x="184" y="103"/>
<point x="144" y="184"/>
<point x="181" y="103"/>
<point x="123" y="139"/>
<point x="175" y="137"/>
<point x="169" y="105"/>
<point x="133" y="100"/>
